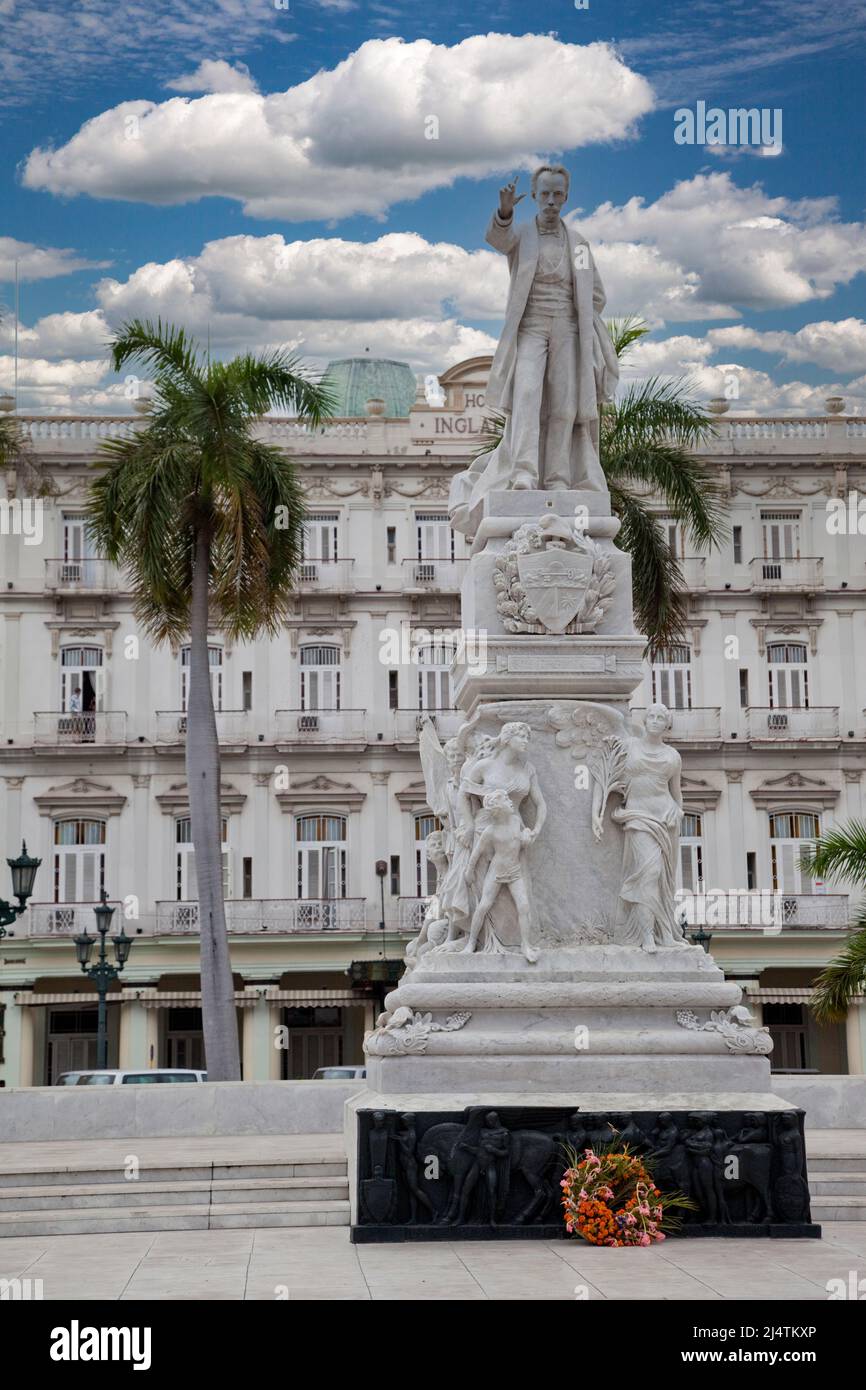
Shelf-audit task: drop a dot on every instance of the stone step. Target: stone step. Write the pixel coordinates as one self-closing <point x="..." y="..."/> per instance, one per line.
<point x="139" y="1194"/>
<point x="824" y="1167"/>
<point x="838" y="1184"/>
<point x="836" y="1208"/>
<point x="199" y="1173"/>
<point x="180" y="1217"/>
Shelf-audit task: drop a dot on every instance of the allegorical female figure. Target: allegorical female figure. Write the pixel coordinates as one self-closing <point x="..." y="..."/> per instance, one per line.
<point x="646" y="773"/>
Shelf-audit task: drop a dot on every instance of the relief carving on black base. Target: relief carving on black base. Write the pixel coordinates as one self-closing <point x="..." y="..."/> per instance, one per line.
<point x="496" y="1172"/>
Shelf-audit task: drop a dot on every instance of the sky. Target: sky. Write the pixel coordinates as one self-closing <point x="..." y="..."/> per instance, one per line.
<point x="319" y="174"/>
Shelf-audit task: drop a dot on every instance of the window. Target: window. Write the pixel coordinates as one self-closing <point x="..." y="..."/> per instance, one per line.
<point x="751" y="870"/>
<point x="78" y="550"/>
<point x="321" y="856"/>
<point x="247" y="689"/>
<point x="744" y="689"/>
<point x="434" y="676"/>
<point x="787" y="1025"/>
<point x="215" y="662"/>
<point x="320" y="536"/>
<point x="247" y="877"/>
<point x="425" y="870"/>
<point x="391" y="544"/>
<point x="435" y="539"/>
<point x="691" y="853"/>
<point x="395" y="875"/>
<point x="79" y="860"/>
<point x="737" y="540"/>
<point x="82" y="680"/>
<point x="788" y="675"/>
<point x="790" y="832"/>
<point x="393" y="690"/>
<point x="672" y="678"/>
<point x="780" y="536"/>
<point x="185" y="882"/>
<point x="320" y="678"/>
<point x="674" y="535"/>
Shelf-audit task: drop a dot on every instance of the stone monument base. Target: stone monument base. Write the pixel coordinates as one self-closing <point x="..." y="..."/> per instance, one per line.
<point x="744" y="1168"/>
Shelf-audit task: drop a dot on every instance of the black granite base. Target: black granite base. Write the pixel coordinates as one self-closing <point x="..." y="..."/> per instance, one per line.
<point x="478" y="1174"/>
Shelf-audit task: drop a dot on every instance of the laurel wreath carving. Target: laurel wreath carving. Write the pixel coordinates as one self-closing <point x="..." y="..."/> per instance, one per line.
<point x="513" y="605"/>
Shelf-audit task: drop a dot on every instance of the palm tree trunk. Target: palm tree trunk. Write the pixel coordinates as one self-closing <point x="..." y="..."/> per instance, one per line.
<point x="219" y="1015"/>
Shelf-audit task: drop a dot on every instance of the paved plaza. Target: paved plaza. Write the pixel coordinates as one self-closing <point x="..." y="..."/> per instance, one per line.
<point x="321" y="1263"/>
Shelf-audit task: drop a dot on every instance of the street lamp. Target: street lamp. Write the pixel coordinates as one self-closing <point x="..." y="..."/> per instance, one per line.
<point x="102" y="973"/>
<point x="23" y="876"/>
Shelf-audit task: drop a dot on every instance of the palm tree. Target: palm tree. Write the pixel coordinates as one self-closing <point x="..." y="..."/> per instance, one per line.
<point x="841" y="853"/>
<point x="207" y="521"/>
<point x="646" y="444"/>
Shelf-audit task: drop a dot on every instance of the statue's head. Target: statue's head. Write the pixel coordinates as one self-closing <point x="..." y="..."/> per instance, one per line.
<point x="658" y="719"/>
<point x="435" y="844"/>
<point x="515" y="735"/>
<point x="499" y="801"/>
<point x="550" y="190"/>
<point x="454" y="755"/>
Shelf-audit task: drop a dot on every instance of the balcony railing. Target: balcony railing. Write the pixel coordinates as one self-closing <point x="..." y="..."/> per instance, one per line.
<point x="692" y="725"/>
<point x="769" y="575"/>
<point x="781" y="725"/>
<point x="443" y="576"/>
<point x="324" y="576"/>
<point x="279" y="916"/>
<point x="316" y="726"/>
<point x="767" y="911"/>
<point x="410" y="914"/>
<point x="232" y="725"/>
<point x="80" y="576"/>
<point x="58" y="919"/>
<point x="407" y="723"/>
<point x="57" y="729"/>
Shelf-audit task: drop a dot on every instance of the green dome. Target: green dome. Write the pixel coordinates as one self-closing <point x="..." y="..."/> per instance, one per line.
<point x="356" y="380"/>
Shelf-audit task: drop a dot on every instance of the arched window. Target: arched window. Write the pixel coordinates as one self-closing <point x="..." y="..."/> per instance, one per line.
<point x="434" y="675"/>
<point x="425" y="871"/>
<point x="790" y="832"/>
<point x="79" y="860"/>
<point x="320" y="678"/>
<point x="788" y="675"/>
<point x="321" y="856"/>
<point x="691" y="853"/>
<point x="215" y="662"/>
<point x="672" y="677"/>
<point x="185" y="882"/>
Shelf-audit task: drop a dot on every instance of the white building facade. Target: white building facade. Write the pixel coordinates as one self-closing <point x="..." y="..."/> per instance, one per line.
<point x="324" y="811"/>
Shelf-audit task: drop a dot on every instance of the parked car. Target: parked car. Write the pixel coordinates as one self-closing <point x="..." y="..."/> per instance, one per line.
<point x="340" y="1074"/>
<point x="155" y="1076"/>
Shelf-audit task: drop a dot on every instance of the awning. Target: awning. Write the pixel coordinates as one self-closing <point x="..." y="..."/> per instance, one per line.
<point x="317" y="998"/>
<point x="787" y="994"/>
<point x="30" y="996"/>
<point x="181" y="998"/>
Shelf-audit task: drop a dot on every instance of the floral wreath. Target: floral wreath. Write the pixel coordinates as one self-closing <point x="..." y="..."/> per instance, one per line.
<point x="610" y="1198"/>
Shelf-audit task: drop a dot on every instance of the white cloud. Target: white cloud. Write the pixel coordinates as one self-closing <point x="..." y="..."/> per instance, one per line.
<point x="60" y="335"/>
<point x="839" y="346"/>
<point x="357" y="138"/>
<point x="39" y="262"/>
<point x="214" y="75"/>
<point x="722" y="247"/>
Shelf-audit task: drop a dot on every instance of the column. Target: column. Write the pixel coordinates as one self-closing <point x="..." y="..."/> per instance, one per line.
<point x="258" y="1040"/>
<point x="856" y="1037"/>
<point x="133" y="1043"/>
<point x="264" y="885"/>
<point x="27" y="1046"/>
<point x="12" y="669"/>
<point x="11" y="830"/>
<point x="735" y="827"/>
<point x="135" y="870"/>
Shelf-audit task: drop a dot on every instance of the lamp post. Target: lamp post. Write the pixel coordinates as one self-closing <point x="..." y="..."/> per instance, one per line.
<point x="102" y="972"/>
<point x="23" y="877"/>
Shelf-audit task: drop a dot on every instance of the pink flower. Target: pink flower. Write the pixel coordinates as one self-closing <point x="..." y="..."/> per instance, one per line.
<point x="644" y="1240"/>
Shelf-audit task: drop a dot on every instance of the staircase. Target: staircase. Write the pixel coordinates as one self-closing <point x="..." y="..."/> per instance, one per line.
<point x="86" y="1197"/>
<point x="837" y="1183"/>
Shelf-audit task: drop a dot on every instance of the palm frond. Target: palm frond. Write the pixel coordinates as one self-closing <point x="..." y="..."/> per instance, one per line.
<point x="843" y="978"/>
<point x="168" y="351"/>
<point x="838" y="853"/>
<point x="659" y="599"/>
<point x="625" y="332"/>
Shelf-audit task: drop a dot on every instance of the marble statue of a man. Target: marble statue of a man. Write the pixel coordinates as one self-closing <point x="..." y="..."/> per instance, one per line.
<point x="554" y="363"/>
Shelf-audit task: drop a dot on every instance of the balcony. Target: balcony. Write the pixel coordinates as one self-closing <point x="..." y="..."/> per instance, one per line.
<point x="407" y="723"/>
<point x="795" y="724"/>
<point x="279" y="916"/>
<point x="324" y="576"/>
<point x="727" y="910"/>
<point x="433" y="576"/>
<point x="410" y="914"/>
<point x="58" y="919"/>
<point x="778" y="576"/>
<point x="346" y="727"/>
<point x="80" y="576"/>
<point x="702" y="725"/>
<point x="57" y="729"/>
<point x="232" y="726"/>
